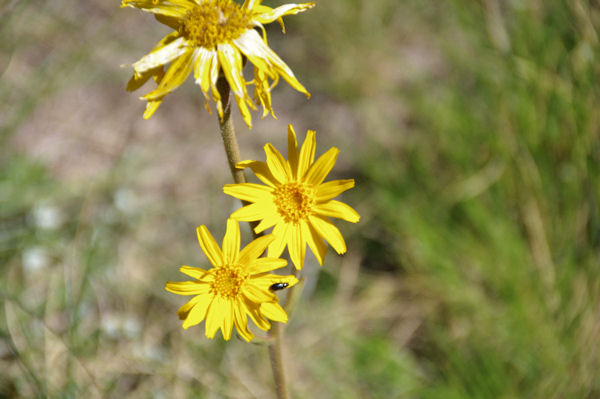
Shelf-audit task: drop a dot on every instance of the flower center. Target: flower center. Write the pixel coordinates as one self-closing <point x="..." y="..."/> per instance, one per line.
<point x="215" y="22"/>
<point x="229" y="280"/>
<point x="294" y="201"/>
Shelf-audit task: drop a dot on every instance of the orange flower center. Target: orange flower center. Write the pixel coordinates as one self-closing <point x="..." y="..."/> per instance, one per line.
<point x="229" y="281"/>
<point x="294" y="201"/>
<point x="215" y="22"/>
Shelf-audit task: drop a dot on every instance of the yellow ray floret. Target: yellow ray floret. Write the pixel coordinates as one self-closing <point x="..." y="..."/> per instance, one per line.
<point x="295" y="200"/>
<point x="211" y="39"/>
<point x="237" y="286"/>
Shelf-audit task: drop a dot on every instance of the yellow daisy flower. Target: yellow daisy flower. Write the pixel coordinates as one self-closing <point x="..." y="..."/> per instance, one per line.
<point x="212" y="37"/>
<point x="295" y="200"/>
<point x="238" y="285"/>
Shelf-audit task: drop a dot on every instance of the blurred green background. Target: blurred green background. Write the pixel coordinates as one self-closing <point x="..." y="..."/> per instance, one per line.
<point x="471" y="127"/>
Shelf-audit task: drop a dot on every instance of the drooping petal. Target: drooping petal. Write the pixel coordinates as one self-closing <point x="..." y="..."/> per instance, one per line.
<point x="293" y="151"/>
<point x="198" y="312"/>
<point x="173" y="8"/>
<point x="338" y="210"/>
<point x="178" y="71"/>
<point x="315" y="242"/>
<point x="273" y="311"/>
<point x="331" y="189"/>
<point x="261" y="170"/>
<point x="161" y="56"/>
<point x="151" y="107"/>
<point x="231" y="64"/>
<point x="296" y="245"/>
<point x="252" y="310"/>
<point x="307" y="153"/>
<point x="319" y="170"/>
<point x="268" y="16"/>
<point x="248" y="191"/>
<point x="231" y="241"/>
<point x="277" y="164"/>
<point x="202" y="63"/>
<point x="329" y="232"/>
<point x="254" y="249"/>
<point x="262" y="265"/>
<point x="209" y="246"/>
<point x="187" y="287"/>
<point x="252" y="45"/>
<point x="183" y="311"/>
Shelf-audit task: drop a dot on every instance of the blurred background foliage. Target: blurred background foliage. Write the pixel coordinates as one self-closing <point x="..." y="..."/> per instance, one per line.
<point x="471" y="128"/>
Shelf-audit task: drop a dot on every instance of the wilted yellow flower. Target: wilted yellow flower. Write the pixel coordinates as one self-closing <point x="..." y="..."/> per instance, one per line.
<point x="295" y="200"/>
<point x="211" y="37"/>
<point x="237" y="286"/>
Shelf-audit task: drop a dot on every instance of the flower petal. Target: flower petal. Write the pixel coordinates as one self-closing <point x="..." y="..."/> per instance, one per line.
<point x="249" y="191"/>
<point x="254" y="249"/>
<point x="231" y="65"/>
<point x="273" y="311"/>
<point x="329" y="232"/>
<point x="176" y="74"/>
<point x="253" y="311"/>
<point x="262" y="265"/>
<point x="286" y="9"/>
<point x="270" y="217"/>
<point x="265" y="280"/>
<point x="162" y="56"/>
<point x="315" y="242"/>
<point x="277" y="164"/>
<point x="209" y="246"/>
<point x="231" y="241"/>
<point x="214" y="316"/>
<point x="194" y="272"/>
<point x="296" y="245"/>
<point x="319" y="170"/>
<point x="307" y="153"/>
<point x="331" y="189"/>
<point x="198" y="312"/>
<point x="241" y="321"/>
<point x="228" y="320"/>
<point x="187" y="287"/>
<point x="173" y="8"/>
<point x="202" y="63"/>
<point x="249" y="213"/>
<point x="293" y="151"/>
<point x="280" y="231"/>
<point x="338" y="210"/>
<point x="183" y="311"/>
<point x="261" y="170"/>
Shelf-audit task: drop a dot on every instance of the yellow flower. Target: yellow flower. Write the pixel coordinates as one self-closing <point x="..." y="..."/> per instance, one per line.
<point x="212" y="37"/>
<point x="237" y="286"/>
<point x="295" y="200"/>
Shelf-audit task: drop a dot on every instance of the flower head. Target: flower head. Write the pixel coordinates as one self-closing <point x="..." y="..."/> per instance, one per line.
<point x="210" y="38"/>
<point x="236" y="287"/>
<point x="295" y="200"/>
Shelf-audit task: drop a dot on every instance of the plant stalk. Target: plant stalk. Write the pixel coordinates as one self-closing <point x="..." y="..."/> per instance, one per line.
<point x="233" y="157"/>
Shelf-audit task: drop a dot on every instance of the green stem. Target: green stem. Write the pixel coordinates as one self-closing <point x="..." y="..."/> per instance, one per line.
<point x="233" y="157"/>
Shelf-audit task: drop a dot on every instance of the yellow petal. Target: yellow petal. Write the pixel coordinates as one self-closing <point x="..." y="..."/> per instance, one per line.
<point x="249" y="192"/>
<point x="202" y="62"/>
<point x="187" y="287"/>
<point x="330" y="189"/>
<point x="293" y="151"/>
<point x="270" y="217"/>
<point x="162" y="56"/>
<point x="254" y="249"/>
<point x="249" y="213"/>
<point x="261" y="171"/>
<point x="231" y="241"/>
<point x="273" y="311"/>
<point x="151" y="107"/>
<point x="231" y="64"/>
<point x="277" y="164"/>
<point x="214" y="316"/>
<point x="252" y="310"/>
<point x="228" y="317"/>
<point x="241" y="321"/>
<point x="173" y="8"/>
<point x="265" y="280"/>
<point x="194" y="272"/>
<point x="176" y="74"/>
<point x="329" y="232"/>
<point x="296" y="245"/>
<point x="280" y="231"/>
<point x="262" y="265"/>
<point x="315" y="242"/>
<point x="209" y="246"/>
<point x="337" y="209"/>
<point x="286" y="9"/>
<point x="198" y="312"/>
<point x="257" y="295"/>
<point x="183" y="311"/>
<point x="307" y="153"/>
<point x="319" y="170"/>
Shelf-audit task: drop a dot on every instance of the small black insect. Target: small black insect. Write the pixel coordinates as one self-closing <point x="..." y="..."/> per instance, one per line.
<point x="278" y="286"/>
